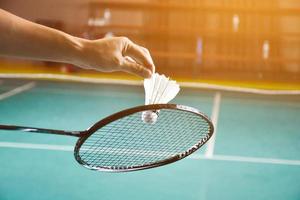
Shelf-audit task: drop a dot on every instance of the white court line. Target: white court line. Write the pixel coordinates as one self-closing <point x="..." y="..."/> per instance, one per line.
<point x="214" y="118"/>
<point x="17" y="90"/>
<point x="36" y="146"/>
<point x="193" y="156"/>
<point x="139" y="83"/>
<point x="248" y="159"/>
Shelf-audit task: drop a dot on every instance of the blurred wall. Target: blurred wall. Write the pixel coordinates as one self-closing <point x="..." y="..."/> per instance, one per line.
<point x="73" y="13"/>
<point x="68" y="11"/>
<point x="291" y="24"/>
<point x="239" y="51"/>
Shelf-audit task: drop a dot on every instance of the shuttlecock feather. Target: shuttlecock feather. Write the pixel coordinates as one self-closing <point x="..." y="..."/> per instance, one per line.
<point x="158" y="89"/>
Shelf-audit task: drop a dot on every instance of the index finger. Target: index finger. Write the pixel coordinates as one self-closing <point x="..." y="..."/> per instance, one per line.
<point x="140" y="55"/>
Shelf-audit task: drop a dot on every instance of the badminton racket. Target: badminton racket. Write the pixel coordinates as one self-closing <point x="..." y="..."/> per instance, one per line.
<point x="122" y="142"/>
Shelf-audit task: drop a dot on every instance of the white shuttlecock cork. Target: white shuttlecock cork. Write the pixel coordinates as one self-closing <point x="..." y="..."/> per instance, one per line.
<point x="158" y="89"/>
<point x="149" y="116"/>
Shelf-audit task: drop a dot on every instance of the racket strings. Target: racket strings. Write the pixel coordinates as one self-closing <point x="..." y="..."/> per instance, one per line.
<point x="129" y="151"/>
<point x="130" y="142"/>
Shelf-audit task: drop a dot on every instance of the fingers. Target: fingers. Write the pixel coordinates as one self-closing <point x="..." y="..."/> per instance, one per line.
<point x="140" y="54"/>
<point x="135" y="68"/>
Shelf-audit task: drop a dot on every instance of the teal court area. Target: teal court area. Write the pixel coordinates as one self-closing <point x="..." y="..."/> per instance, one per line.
<point x="255" y="153"/>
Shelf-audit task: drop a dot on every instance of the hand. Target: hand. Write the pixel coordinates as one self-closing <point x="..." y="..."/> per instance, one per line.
<point x="115" y="54"/>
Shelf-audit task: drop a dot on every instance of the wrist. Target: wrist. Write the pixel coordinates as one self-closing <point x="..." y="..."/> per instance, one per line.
<point x="76" y="49"/>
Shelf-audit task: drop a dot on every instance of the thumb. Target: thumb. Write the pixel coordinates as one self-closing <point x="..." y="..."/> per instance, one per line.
<point x="128" y="65"/>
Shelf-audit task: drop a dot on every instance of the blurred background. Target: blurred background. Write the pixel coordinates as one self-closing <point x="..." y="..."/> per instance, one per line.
<point x="208" y="46"/>
<point x="221" y="40"/>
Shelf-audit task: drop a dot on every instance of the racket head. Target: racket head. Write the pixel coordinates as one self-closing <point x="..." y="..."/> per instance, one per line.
<point x="123" y="142"/>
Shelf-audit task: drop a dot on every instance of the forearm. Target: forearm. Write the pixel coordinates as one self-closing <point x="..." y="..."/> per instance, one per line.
<point x="24" y="39"/>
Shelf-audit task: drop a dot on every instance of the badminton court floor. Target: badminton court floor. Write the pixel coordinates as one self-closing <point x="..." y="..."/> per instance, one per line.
<point x="255" y="153"/>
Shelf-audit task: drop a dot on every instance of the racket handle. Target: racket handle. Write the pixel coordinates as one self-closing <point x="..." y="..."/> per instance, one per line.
<point x="41" y="130"/>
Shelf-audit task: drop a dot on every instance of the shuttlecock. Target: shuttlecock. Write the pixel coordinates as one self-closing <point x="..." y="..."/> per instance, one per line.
<point x="158" y="89"/>
<point x="150" y="116"/>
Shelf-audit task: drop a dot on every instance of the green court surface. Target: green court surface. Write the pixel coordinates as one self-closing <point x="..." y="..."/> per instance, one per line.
<point x="255" y="154"/>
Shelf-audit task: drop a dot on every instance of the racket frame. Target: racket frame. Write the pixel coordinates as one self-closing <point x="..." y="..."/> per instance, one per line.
<point x="124" y="113"/>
